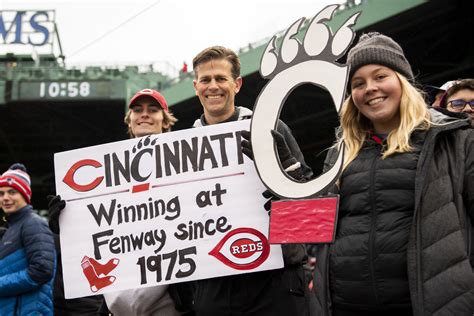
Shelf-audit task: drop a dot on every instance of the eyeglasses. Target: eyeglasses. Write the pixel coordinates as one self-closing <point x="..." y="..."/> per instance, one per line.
<point x="459" y="105"/>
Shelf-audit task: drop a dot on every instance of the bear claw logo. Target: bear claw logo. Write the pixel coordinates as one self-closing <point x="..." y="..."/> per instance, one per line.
<point x="242" y="249"/>
<point x="288" y="67"/>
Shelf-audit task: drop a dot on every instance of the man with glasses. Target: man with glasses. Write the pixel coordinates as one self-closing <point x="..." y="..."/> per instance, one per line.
<point x="460" y="97"/>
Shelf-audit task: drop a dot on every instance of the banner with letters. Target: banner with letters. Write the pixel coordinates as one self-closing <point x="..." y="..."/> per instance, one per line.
<point x="161" y="209"/>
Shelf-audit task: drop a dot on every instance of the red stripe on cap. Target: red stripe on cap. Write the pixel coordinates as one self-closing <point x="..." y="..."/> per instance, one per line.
<point x="18" y="184"/>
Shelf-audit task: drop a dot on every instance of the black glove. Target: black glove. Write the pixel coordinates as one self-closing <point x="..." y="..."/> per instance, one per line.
<point x="55" y="206"/>
<point x="270" y="197"/>
<point x="294" y="254"/>
<point x="246" y="144"/>
<point x="286" y="157"/>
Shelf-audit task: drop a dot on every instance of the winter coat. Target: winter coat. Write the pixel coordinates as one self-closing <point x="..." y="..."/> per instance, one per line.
<point x="84" y="306"/>
<point x="147" y="301"/>
<point x="440" y="279"/>
<point x="276" y="292"/>
<point x="27" y="265"/>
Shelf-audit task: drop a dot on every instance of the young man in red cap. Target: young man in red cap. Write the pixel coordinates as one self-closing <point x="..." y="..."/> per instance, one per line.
<point x="148" y="114"/>
<point x="27" y="255"/>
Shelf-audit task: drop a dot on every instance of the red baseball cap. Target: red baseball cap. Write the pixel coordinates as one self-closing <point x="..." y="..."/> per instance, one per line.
<point x="151" y="93"/>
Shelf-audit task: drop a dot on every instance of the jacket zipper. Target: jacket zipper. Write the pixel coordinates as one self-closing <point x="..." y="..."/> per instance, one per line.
<point x="372" y="228"/>
<point x="326" y="281"/>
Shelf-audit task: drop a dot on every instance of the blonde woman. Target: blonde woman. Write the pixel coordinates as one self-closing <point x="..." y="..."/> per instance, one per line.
<point x="402" y="242"/>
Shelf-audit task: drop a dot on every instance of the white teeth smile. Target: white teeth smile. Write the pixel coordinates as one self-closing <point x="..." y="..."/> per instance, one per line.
<point x="375" y="101"/>
<point x="213" y="96"/>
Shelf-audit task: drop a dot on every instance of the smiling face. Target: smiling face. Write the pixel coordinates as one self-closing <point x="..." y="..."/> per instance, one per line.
<point x="376" y="92"/>
<point x="216" y="89"/>
<point x="146" y="117"/>
<point x="11" y="200"/>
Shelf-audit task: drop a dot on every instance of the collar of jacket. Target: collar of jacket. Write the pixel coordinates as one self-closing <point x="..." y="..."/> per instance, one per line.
<point x="16" y="216"/>
<point x="240" y="113"/>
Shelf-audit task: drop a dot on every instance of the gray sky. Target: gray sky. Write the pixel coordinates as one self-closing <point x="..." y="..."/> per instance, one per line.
<point x="165" y="32"/>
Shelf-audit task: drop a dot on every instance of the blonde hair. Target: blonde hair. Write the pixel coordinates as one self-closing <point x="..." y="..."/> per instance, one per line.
<point x="355" y="127"/>
<point x="168" y="120"/>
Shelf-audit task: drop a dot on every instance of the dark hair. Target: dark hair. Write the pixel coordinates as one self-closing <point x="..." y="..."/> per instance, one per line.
<point x="218" y="52"/>
<point x="461" y="84"/>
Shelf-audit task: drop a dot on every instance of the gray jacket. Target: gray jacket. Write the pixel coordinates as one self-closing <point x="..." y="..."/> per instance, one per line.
<point x="147" y="301"/>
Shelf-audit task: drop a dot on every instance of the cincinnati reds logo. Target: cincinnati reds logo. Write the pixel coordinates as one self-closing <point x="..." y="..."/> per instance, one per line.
<point x="242" y="249"/>
<point x="69" y="177"/>
<point x="288" y="68"/>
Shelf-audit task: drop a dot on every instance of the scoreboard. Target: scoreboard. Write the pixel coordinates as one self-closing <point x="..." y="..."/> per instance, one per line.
<point x="69" y="90"/>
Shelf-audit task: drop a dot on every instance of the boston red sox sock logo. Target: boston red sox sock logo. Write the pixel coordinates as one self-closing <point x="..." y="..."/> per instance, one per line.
<point x="96" y="273"/>
<point x="104" y="269"/>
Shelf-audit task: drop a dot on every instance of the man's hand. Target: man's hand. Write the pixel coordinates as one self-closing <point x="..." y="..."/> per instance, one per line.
<point x="55" y="206"/>
<point x="270" y="197"/>
<point x="246" y="144"/>
<point x="284" y="153"/>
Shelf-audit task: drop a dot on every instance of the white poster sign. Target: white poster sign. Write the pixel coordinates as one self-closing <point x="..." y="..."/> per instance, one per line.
<point x="161" y="209"/>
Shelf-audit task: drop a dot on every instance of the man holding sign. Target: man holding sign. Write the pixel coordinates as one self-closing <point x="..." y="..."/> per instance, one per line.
<point x="274" y="292"/>
<point x="148" y="114"/>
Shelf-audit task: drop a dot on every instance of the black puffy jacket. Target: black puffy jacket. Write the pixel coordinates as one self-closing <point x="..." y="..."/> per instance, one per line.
<point x="368" y="260"/>
<point x="436" y="238"/>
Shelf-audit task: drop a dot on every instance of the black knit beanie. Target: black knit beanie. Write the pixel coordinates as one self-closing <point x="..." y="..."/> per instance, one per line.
<point x="375" y="48"/>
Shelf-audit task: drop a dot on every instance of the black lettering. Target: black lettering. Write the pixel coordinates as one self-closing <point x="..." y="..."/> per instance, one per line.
<point x="161" y="238"/>
<point x="189" y="153"/>
<point x="114" y="245"/>
<point x="199" y="230"/>
<point x="119" y="214"/>
<point x="135" y="167"/>
<point x="221" y="138"/>
<point x="97" y="243"/>
<point x="174" y="208"/>
<point x="127" y="210"/>
<point x="150" y="209"/>
<point x="142" y="209"/>
<point x="159" y="171"/>
<point x="218" y="193"/>
<point x="149" y="240"/>
<point x="171" y="158"/>
<point x="121" y="169"/>
<point x="159" y="204"/>
<point x="137" y="241"/>
<point x="220" y="226"/>
<point x="206" y="153"/>
<point x="102" y="212"/>
<point x="203" y="199"/>
<point x="108" y="176"/>
<point x="182" y="233"/>
<point x="210" y="231"/>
